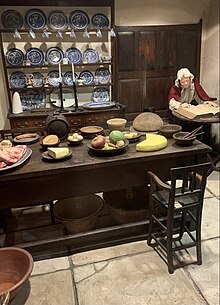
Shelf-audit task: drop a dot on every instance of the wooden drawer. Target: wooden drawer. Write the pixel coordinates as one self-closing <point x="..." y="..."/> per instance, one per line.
<point x="24" y="122"/>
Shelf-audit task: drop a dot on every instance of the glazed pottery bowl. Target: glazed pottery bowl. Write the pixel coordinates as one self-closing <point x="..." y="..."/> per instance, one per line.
<point x="116" y="124"/>
<point x="180" y="140"/>
<point x="16" y="267"/>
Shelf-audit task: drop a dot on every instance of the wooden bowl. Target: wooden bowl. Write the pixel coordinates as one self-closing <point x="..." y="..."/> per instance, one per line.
<point x="46" y="146"/>
<point x="179" y="139"/>
<point x="116" y="124"/>
<point x="16" y="267"/>
<point x="168" y="130"/>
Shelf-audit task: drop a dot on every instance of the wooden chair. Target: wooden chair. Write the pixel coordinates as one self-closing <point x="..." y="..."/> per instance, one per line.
<point x="175" y="209"/>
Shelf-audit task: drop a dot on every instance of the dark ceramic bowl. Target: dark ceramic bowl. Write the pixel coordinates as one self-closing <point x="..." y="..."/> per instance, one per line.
<point x="168" y="130"/>
<point x="16" y="266"/>
<point x="46" y="146"/>
<point x="179" y="139"/>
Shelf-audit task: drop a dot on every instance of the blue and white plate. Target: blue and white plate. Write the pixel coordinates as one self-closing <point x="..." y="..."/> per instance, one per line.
<point x="17" y="80"/>
<point x="35" y="56"/>
<point x="33" y="100"/>
<point x="37" y="80"/>
<point x="57" y="20"/>
<point x="102" y="76"/>
<point x="68" y="78"/>
<point x="35" y="19"/>
<point x="74" y="55"/>
<point x="12" y="20"/>
<point x="96" y="105"/>
<point x="79" y="20"/>
<point x="14" y="57"/>
<point x="100" y="95"/>
<point x="53" y="78"/>
<point x="100" y="21"/>
<point x="87" y="77"/>
<point x="91" y="56"/>
<point x="54" y="55"/>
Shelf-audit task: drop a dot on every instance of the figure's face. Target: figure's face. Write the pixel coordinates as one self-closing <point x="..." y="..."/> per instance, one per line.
<point x="185" y="82"/>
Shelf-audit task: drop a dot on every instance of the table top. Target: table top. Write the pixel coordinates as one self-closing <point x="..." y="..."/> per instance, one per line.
<point x="83" y="159"/>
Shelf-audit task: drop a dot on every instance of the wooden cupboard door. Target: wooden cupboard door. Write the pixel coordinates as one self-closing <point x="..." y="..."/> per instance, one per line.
<point x="131" y="94"/>
<point x="166" y="51"/>
<point x="146" y="50"/>
<point x="157" y="90"/>
<point x="126" y="51"/>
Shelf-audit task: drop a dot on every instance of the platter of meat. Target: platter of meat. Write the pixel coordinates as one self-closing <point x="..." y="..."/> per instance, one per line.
<point x="26" y="138"/>
<point x="11" y="157"/>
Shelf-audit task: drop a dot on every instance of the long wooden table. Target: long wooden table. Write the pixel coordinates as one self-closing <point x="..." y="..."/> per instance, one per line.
<point x="37" y="181"/>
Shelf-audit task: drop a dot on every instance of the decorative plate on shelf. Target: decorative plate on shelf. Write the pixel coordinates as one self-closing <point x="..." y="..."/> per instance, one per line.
<point x="103" y="75"/>
<point x="53" y="78"/>
<point x="100" y="21"/>
<point x="90" y="56"/>
<point x="35" y="56"/>
<point x="54" y="55"/>
<point x="33" y="100"/>
<point x="74" y="55"/>
<point x="79" y="19"/>
<point x="37" y="80"/>
<point x="96" y="105"/>
<point x="87" y="77"/>
<point x="57" y="20"/>
<point x="68" y="97"/>
<point x="12" y="20"/>
<point x="21" y="161"/>
<point x="100" y="95"/>
<point x="68" y="78"/>
<point x="17" y="79"/>
<point x="35" y="19"/>
<point x="14" y="57"/>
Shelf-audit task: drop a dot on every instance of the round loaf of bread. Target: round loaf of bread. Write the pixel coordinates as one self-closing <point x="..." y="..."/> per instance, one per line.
<point x="147" y="121"/>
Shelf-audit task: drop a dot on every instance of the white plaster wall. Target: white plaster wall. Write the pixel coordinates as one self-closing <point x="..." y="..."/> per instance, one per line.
<point x="161" y="12"/>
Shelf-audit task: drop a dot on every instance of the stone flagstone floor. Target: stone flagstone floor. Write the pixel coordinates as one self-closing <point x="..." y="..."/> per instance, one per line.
<point x="131" y="274"/>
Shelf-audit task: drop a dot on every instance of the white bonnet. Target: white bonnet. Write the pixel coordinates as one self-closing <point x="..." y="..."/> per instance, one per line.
<point x="183" y="72"/>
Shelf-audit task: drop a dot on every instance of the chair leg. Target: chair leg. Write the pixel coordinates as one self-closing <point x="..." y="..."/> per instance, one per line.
<point x="198" y="245"/>
<point x="151" y="223"/>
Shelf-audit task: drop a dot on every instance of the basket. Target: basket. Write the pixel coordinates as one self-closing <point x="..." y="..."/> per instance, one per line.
<point x="78" y="214"/>
<point x="124" y="209"/>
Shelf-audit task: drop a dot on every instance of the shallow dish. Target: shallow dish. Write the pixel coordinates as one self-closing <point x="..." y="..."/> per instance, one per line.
<point x="21" y="161"/>
<point x="37" y="80"/>
<point x="53" y="78"/>
<point x="35" y="19"/>
<point x="73" y="55"/>
<point x="96" y="105"/>
<point x="100" y="21"/>
<point x="57" y="20"/>
<point x="110" y="152"/>
<point x="87" y="77"/>
<point x="100" y="95"/>
<point x="79" y="19"/>
<point x="75" y="143"/>
<point x="46" y="146"/>
<point x="91" y="56"/>
<point x="48" y="158"/>
<point x="17" y="79"/>
<point x="54" y="55"/>
<point x="68" y="97"/>
<point x="27" y="140"/>
<point x="133" y="139"/>
<point x="90" y="132"/>
<point x="35" y="56"/>
<point x="179" y="139"/>
<point x="168" y="130"/>
<point x="102" y="76"/>
<point x="14" y="57"/>
<point x="12" y="20"/>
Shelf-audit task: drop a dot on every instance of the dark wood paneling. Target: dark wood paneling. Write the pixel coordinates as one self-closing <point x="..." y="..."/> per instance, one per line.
<point x="154" y="54"/>
<point x="147" y="50"/>
<point x="157" y="90"/>
<point x="55" y="3"/>
<point x="131" y="94"/>
<point x="126" y="51"/>
<point x="166" y="50"/>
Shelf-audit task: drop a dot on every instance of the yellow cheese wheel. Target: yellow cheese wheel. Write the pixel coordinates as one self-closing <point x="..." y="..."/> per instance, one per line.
<point x="153" y="142"/>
